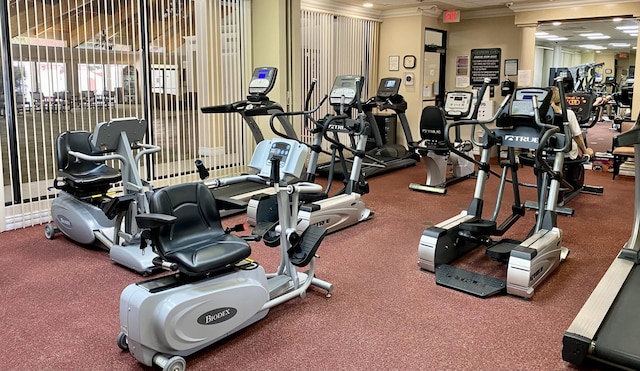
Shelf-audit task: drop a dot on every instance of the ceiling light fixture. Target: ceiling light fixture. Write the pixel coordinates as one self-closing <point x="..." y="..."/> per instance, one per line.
<point x="593" y="47"/>
<point x="367" y="5"/>
<point x="591" y="34"/>
<point x="556" y="23"/>
<point x="603" y="37"/>
<point x="632" y="27"/>
<point x="617" y="19"/>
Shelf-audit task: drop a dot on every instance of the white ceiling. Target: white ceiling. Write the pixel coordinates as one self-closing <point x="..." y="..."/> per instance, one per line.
<point x="569" y="30"/>
<point x="574" y="33"/>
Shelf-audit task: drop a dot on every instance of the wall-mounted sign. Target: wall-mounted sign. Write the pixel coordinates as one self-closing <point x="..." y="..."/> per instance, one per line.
<point x="485" y="63"/>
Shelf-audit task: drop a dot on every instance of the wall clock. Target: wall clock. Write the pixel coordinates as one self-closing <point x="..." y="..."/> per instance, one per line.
<point x="409" y="61"/>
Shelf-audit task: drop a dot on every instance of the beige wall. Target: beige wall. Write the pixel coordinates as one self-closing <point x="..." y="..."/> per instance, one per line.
<point x="403" y="36"/>
<point x="497" y="32"/>
<point x="268" y="33"/>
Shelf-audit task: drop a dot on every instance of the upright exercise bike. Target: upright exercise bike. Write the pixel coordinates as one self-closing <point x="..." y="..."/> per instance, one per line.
<point x="532" y="260"/>
<point x="84" y="210"/>
<point x="439" y="160"/>
<point x="218" y="290"/>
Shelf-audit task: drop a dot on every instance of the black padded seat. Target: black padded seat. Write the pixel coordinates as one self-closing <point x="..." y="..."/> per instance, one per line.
<point x="81" y="176"/>
<point x="196" y="242"/>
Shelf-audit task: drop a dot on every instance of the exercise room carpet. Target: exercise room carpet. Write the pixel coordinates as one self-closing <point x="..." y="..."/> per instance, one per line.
<point x="60" y="301"/>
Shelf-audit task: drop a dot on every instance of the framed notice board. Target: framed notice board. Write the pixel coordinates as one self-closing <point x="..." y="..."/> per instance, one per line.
<point x="485" y="63"/>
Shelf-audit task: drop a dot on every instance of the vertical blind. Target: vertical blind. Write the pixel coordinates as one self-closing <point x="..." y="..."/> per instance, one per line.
<point x="335" y="45"/>
<point x="76" y="63"/>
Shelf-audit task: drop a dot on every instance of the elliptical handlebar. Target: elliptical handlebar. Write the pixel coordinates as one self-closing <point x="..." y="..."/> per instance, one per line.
<point x="304" y="187"/>
<point x="483" y="89"/>
<point x="305" y="112"/>
<point x="474" y="122"/>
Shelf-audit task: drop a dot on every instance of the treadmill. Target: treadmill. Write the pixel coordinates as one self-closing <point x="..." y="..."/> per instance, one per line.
<point x="607" y="328"/>
<point x="235" y="197"/>
<point x="384" y="157"/>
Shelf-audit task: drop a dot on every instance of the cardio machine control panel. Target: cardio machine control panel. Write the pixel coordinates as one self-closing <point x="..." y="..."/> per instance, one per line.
<point x="344" y="88"/>
<point x="522" y="103"/>
<point x="292" y="154"/>
<point x="262" y="80"/>
<point x="389" y="86"/>
<point x="458" y="104"/>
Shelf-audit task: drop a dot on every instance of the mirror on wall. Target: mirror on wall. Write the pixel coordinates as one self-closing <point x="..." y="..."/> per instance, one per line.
<point x="599" y="51"/>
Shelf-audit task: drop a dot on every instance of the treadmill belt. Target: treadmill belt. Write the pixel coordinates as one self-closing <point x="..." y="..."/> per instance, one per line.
<point x="618" y="340"/>
<point x="390" y="164"/>
<point x="237" y="189"/>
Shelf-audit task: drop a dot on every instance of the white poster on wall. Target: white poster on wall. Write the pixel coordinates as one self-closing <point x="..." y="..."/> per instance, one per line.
<point x="524" y="78"/>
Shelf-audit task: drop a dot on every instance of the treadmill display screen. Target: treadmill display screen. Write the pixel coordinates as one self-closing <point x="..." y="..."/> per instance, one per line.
<point x="262" y="80"/>
<point x="388" y="87"/>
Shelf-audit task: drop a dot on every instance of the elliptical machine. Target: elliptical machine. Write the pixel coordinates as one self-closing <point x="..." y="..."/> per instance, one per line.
<point x="346" y="207"/>
<point x="528" y="262"/>
<point x="383" y="157"/>
<point x="435" y="151"/>
<point x="218" y="290"/>
<point x="573" y="170"/>
<point x="84" y="211"/>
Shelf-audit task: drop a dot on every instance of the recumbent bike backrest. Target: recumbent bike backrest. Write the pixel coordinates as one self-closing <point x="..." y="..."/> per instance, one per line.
<point x="432" y="123"/>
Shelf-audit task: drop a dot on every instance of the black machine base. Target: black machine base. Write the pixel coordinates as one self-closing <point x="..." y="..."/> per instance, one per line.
<point x="472" y="283"/>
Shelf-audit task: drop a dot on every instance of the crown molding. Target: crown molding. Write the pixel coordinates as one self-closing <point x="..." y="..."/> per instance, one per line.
<point x="428" y="11"/>
<point x="325" y="6"/>
<point x="485" y="13"/>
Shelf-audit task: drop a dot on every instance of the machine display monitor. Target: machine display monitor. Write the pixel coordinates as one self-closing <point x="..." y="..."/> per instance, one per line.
<point x="458" y="103"/>
<point x="522" y="104"/>
<point x="262" y="80"/>
<point x="388" y="87"/>
<point x="344" y="89"/>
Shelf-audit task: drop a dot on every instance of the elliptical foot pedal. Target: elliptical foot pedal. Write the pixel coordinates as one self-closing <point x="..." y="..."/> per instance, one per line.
<point x="266" y="231"/>
<point x="117" y="205"/>
<point x="310" y="241"/>
<point x="501" y="251"/>
<point x="480" y="226"/>
<point x="427" y="189"/>
<point x="469" y="282"/>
